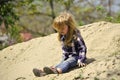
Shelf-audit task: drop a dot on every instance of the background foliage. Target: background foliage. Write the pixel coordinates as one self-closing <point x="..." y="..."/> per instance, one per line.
<point x="36" y="16"/>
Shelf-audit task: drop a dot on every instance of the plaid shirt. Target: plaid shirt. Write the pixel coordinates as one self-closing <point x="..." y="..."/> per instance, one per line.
<point x="78" y="48"/>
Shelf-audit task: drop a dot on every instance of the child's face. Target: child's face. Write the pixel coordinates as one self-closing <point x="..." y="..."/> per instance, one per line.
<point x="64" y="30"/>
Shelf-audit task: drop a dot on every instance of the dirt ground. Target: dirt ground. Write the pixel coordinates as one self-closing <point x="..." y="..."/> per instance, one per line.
<point x="103" y="56"/>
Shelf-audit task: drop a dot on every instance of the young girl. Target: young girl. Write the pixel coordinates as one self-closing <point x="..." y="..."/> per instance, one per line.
<point x="73" y="46"/>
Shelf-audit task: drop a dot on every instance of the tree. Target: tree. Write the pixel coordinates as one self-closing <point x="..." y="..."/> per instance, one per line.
<point x="7" y="13"/>
<point x="8" y="17"/>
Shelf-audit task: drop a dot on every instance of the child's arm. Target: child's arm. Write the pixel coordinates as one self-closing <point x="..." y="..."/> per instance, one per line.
<point x="82" y="51"/>
<point x="64" y="55"/>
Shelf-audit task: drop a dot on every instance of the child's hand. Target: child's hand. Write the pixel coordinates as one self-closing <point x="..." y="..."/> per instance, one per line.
<point x="80" y="64"/>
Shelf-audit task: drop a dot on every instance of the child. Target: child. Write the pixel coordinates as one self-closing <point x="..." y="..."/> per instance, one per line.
<point x="73" y="46"/>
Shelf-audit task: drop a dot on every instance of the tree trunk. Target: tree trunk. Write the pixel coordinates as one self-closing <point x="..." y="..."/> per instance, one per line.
<point x="52" y="9"/>
<point x="109" y="5"/>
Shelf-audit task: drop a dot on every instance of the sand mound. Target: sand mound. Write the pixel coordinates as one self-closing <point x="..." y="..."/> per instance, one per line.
<point x="103" y="43"/>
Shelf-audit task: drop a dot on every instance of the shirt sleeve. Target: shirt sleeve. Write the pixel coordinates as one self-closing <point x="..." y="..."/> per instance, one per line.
<point x="64" y="56"/>
<point x="82" y="48"/>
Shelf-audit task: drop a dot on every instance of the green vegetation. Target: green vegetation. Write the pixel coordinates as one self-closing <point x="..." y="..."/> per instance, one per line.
<point x="112" y="79"/>
<point x="95" y="78"/>
<point x="36" y="16"/>
<point x="79" y="77"/>
<point x="7" y="13"/>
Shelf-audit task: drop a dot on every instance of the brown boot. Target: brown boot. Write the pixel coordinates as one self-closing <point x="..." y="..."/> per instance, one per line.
<point x="50" y="70"/>
<point x="38" y="72"/>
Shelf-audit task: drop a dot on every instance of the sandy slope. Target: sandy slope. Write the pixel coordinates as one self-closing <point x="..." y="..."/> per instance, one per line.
<point x="103" y="43"/>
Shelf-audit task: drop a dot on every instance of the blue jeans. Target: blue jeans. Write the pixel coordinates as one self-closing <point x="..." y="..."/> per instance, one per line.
<point x="67" y="64"/>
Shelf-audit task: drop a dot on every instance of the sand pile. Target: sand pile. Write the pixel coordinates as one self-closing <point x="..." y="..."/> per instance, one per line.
<point x="103" y="43"/>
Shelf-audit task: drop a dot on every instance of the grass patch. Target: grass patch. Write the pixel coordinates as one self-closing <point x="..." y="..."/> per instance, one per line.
<point x="95" y="78"/>
<point x="79" y="77"/>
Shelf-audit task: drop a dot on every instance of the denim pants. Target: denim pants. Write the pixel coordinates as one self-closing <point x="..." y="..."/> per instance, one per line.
<point x="67" y="64"/>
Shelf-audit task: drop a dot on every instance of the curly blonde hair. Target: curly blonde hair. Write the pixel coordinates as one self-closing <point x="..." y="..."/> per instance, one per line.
<point x="59" y="22"/>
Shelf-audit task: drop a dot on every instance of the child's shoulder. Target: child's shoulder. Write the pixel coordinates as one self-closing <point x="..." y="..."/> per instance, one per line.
<point x="77" y="34"/>
<point x="77" y="31"/>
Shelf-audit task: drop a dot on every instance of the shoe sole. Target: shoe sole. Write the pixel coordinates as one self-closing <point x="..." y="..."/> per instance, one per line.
<point x="36" y="72"/>
<point x="47" y="70"/>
